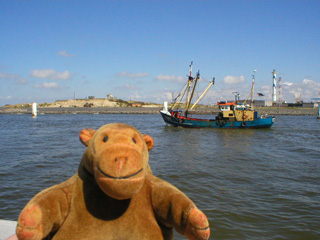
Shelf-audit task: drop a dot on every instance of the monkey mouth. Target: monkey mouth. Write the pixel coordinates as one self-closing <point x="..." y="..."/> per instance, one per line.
<point x="124" y="177"/>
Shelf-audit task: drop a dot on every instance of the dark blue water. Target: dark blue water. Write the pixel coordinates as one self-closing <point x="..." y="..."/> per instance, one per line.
<point x="252" y="184"/>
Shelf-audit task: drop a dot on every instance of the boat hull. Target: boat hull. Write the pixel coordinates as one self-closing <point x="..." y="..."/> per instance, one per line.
<point x="213" y="123"/>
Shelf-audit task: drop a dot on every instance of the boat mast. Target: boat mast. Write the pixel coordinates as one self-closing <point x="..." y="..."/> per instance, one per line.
<point x="251" y="92"/>
<point x="190" y="66"/>
<point x="252" y="88"/>
<point x="190" y="79"/>
<point x="203" y="94"/>
<point x="186" y="89"/>
<point x="180" y="96"/>
<point x="194" y="87"/>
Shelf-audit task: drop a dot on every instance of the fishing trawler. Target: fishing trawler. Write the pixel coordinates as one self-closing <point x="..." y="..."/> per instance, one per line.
<point x="232" y="114"/>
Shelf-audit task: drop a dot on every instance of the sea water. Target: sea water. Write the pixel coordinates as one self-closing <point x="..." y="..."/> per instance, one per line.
<point x="252" y="184"/>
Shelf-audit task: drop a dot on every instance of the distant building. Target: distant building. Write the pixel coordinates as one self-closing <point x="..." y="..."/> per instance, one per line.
<point x="259" y="103"/>
<point x="301" y="104"/>
<point x="110" y="97"/>
<point x="268" y="103"/>
<point x="256" y="103"/>
<point x="88" y="105"/>
<point x="135" y="105"/>
<point x="91" y="97"/>
<point x="308" y="105"/>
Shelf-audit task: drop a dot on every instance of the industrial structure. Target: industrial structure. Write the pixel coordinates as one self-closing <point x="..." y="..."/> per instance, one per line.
<point x="274" y="88"/>
<point x="279" y="91"/>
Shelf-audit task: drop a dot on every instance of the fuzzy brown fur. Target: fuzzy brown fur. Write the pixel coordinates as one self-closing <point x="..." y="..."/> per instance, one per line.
<point x="112" y="196"/>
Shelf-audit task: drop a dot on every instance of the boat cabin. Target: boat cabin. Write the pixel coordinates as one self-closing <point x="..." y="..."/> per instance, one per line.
<point x="176" y="113"/>
<point x="236" y="112"/>
<point x="226" y="106"/>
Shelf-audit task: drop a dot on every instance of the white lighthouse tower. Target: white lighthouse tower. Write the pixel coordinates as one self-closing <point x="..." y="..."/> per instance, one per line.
<point x="274" y="88"/>
<point x="34" y="109"/>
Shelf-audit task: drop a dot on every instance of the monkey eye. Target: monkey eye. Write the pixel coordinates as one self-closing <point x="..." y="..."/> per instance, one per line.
<point x="134" y="140"/>
<point x="105" y="139"/>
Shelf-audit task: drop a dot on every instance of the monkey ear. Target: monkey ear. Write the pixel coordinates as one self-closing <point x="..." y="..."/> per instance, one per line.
<point x="149" y="141"/>
<point x="86" y="135"/>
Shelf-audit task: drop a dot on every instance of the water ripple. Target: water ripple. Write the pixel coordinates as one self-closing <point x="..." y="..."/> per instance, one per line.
<point x="252" y="184"/>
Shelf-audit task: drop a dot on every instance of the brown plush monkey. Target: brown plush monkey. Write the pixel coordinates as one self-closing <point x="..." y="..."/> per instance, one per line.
<point x="113" y="195"/>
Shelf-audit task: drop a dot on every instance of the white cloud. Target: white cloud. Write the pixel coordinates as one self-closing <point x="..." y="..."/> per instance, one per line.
<point x="21" y="80"/>
<point x="50" y="85"/>
<point x="161" y="96"/>
<point x="310" y="83"/>
<point x="170" y="78"/>
<point x="306" y="90"/>
<point x="130" y="87"/>
<point x="132" y="75"/>
<point x="6" y="98"/>
<point x="233" y="79"/>
<point x="44" y="73"/>
<point x="62" y="76"/>
<point x="15" y="77"/>
<point x="8" y="76"/>
<point x="65" y="54"/>
<point x="167" y="95"/>
<point x="127" y="87"/>
<point x="287" y="83"/>
<point x="137" y="96"/>
<point x="50" y="74"/>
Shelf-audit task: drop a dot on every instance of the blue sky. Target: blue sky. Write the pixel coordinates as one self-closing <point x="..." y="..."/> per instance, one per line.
<point x="141" y="50"/>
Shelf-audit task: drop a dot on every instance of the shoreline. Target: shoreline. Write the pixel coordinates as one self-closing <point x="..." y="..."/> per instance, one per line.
<point x="151" y="110"/>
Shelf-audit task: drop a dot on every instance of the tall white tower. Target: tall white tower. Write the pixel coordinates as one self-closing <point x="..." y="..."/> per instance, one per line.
<point x="274" y="89"/>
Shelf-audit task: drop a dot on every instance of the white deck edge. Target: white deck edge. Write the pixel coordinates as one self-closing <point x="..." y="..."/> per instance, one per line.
<point x="7" y="228"/>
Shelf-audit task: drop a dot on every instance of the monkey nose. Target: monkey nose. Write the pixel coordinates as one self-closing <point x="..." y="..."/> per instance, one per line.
<point x="120" y="161"/>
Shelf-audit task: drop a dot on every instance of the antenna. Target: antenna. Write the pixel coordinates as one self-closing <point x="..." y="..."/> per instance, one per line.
<point x="251" y="92"/>
<point x="274" y="89"/>
<point x="252" y="89"/>
<point x="279" y="90"/>
<point x="190" y="66"/>
<point x="236" y="96"/>
<point x="253" y="79"/>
